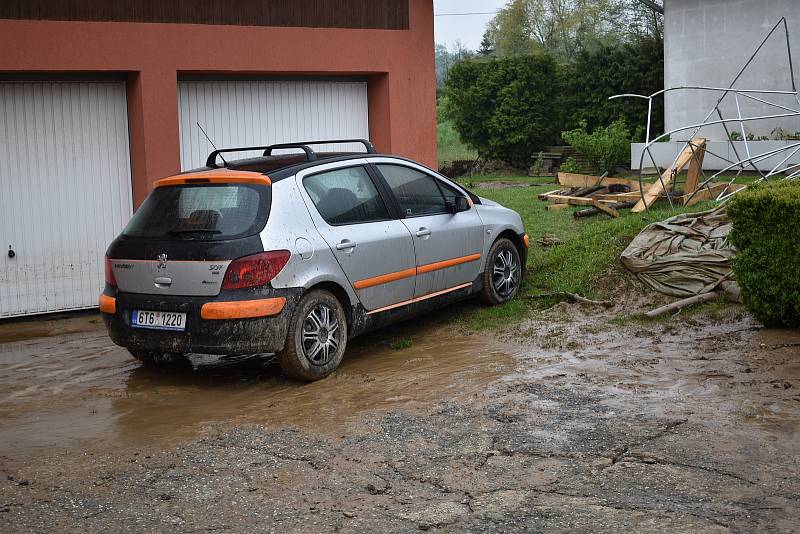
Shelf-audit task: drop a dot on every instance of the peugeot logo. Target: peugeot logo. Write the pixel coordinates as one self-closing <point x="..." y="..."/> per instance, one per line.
<point x="162" y="261"/>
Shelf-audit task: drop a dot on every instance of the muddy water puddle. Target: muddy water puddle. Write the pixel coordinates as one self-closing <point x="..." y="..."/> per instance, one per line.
<point x="76" y="389"/>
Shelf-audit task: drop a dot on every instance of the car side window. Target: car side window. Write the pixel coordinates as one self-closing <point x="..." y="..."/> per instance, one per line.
<point x="450" y="193"/>
<point x="416" y="191"/>
<point x="345" y="196"/>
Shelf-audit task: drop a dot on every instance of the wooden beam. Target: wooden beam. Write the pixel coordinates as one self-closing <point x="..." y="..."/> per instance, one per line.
<point x="544" y="196"/>
<point x="706" y="193"/>
<point x="569" y="179"/>
<point x="605" y="208"/>
<point x="556" y="207"/>
<point x="573" y="201"/>
<point x="620" y="197"/>
<point x="661" y="187"/>
<point x="695" y="168"/>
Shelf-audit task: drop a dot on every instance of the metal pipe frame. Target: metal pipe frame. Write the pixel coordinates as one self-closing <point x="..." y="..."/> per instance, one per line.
<point x="741" y="162"/>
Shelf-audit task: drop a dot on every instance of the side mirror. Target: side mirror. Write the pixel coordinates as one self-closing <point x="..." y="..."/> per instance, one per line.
<point x="459" y="204"/>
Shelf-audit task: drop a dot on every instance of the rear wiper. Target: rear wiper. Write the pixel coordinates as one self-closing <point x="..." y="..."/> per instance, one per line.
<point x="195" y="231"/>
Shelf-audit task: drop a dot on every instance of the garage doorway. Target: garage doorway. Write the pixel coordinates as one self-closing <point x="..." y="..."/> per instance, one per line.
<point x="256" y="112"/>
<point x="65" y="191"/>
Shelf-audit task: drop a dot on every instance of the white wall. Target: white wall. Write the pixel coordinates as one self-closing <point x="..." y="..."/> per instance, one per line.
<point x="706" y="42"/>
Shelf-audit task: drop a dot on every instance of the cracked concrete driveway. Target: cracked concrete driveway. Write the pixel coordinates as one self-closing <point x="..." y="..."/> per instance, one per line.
<point x="567" y="422"/>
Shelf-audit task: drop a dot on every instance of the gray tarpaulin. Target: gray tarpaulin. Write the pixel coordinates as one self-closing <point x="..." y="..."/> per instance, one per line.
<point x="685" y="255"/>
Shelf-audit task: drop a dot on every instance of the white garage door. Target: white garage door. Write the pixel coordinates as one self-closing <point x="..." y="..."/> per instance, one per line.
<point x="238" y="113"/>
<point x="65" y="191"/>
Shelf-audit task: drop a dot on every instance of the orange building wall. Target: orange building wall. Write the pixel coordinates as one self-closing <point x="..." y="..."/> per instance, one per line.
<point x="399" y="66"/>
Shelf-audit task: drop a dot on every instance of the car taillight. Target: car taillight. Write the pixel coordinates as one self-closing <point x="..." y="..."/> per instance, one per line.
<point x="110" y="280"/>
<point x="255" y="270"/>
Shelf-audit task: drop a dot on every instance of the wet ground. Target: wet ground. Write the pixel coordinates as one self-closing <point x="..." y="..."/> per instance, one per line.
<point x="569" y="421"/>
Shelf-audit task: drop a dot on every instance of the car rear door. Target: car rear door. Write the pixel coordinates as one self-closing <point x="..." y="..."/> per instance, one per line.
<point x="448" y="245"/>
<point x="374" y="249"/>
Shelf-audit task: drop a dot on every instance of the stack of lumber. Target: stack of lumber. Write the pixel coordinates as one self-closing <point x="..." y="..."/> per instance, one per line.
<point x="600" y="194"/>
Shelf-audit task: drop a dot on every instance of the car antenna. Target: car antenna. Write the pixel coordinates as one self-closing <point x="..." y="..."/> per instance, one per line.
<point x="212" y="143"/>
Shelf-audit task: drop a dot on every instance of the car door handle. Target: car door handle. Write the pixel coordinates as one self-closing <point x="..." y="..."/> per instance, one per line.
<point x="346" y="244"/>
<point x="423" y="232"/>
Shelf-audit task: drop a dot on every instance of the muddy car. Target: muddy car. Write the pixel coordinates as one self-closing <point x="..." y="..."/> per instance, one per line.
<point x="294" y="254"/>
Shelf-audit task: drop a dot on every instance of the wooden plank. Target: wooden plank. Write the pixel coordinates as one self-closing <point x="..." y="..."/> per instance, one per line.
<point x="661" y="187"/>
<point x="703" y="194"/>
<point x="586" y="180"/>
<point x="620" y="197"/>
<point x="573" y="201"/>
<point x="605" y="208"/>
<point x="695" y="168"/>
<point x="556" y="207"/>
<point x="544" y="196"/>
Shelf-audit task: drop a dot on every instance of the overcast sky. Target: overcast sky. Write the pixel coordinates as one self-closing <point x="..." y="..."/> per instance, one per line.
<point x="467" y="28"/>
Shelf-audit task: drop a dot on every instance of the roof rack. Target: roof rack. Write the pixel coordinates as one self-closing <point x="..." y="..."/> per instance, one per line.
<point x="303" y="145"/>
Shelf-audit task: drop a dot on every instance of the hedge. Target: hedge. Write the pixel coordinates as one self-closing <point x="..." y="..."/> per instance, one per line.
<point x="511" y="108"/>
<point x="766" y="230"/>
<point x="504" y="108"/>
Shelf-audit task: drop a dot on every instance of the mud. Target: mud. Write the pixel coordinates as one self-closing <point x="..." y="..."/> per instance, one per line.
<point x="569" y="421"/>
<point x="79" y="389"/>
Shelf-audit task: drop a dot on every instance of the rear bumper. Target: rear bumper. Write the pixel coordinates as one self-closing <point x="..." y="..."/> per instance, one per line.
<point x="242" y="322"/>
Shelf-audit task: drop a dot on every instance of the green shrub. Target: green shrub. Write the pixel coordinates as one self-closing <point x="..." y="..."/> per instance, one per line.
<point x="766" y="225"/>
<point x="504" y="108"/>
<point x="605" y="148"/>
<point x="570" y="165"/>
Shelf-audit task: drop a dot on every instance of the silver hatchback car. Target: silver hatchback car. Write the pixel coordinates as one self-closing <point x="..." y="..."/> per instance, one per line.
<point x="294" y="254"/>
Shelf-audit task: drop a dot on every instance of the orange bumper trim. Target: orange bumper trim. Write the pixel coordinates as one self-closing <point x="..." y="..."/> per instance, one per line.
<point x="107" y="304"/>
<point x="242" y="309"/>
<point x="527" y="240"/>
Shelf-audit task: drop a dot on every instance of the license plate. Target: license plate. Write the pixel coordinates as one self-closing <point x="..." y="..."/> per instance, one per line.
<point x="158" y="320"/>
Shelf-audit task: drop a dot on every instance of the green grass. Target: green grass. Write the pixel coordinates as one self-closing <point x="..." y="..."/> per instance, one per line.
<point x="451" y="148"/>
<point x="401" y="344"/>
<point x="587" y="263"/>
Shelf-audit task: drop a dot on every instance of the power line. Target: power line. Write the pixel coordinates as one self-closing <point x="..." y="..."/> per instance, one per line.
<point x="466" y="14"/>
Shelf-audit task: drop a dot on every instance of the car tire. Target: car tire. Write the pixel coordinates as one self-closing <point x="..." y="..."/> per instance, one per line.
<point x="151" y="358"/>
<point x="317" y="337"/>
<point x="502" y="276"/>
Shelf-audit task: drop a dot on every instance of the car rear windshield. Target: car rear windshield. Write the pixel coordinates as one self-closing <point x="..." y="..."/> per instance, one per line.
<point x="202" y="212"/>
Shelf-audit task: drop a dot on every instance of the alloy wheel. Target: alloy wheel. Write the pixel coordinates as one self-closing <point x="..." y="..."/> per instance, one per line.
<point x="505" y="273"/>
<point x="321" y="335"/>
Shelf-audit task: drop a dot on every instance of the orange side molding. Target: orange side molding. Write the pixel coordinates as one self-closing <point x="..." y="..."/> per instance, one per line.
<point x="242" y="309"/>
<point x="107" y="304"/>
<point x="221" y="176"/>
<point x="447" y="263"/>
<point x="527" y="240"/>
<point x="384" y="279"/>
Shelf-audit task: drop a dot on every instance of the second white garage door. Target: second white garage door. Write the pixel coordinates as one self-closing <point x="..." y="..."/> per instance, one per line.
<point x="238" y="113"/>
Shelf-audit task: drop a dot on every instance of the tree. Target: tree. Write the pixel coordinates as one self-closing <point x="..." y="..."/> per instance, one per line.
<point x="565" y="27"/>
<point x="504" y="108"/>
<point x="446" y="58"/>
<point x="487" y="48"/>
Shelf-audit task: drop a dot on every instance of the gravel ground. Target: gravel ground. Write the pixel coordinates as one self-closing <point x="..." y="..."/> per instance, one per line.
<point x="573" y="422"/>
